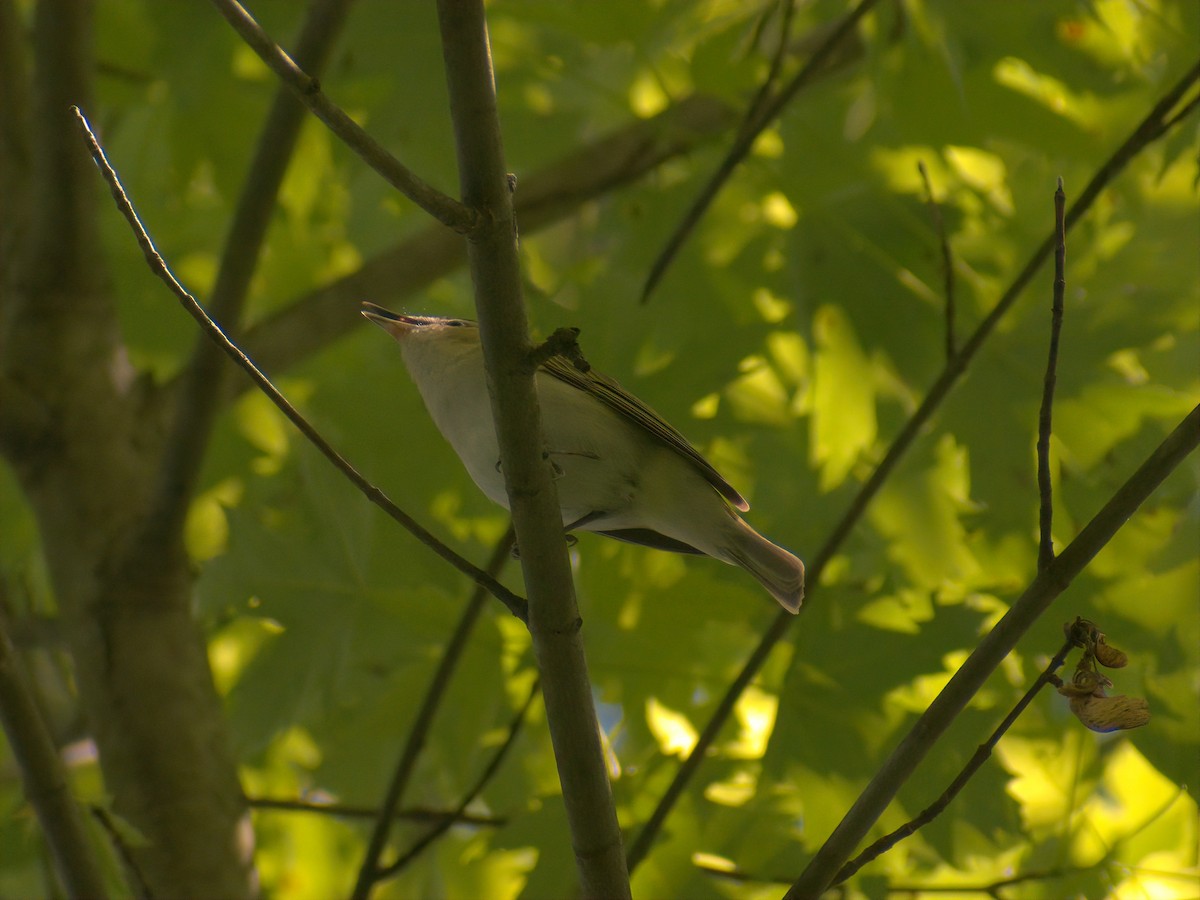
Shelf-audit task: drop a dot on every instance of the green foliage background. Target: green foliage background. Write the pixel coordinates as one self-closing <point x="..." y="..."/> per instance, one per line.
<point x="793" y="336"/>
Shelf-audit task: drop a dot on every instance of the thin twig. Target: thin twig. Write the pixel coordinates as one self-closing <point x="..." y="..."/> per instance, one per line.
<point x="488" y="773"/>
<point x="1046" y="586"/>
<point x="368" y="870"/>
<point x="445" y="209"/>
<point x="973" y="765"/>
<point x="939" y="227"/>
<point x="515" y="604"/>
<point x="787" y="9"/>
<point x="124" y="851"/>
<point x="768" y="111"/>
<point x="1183" y="112"/>
<point x="348" y="811"/>
<point x="991" y="888"/>
<point x="1045" y="486"/>
<point x="200" y="394"/>
<point x="44" y="779"/>
<point x="1146" y="132"/>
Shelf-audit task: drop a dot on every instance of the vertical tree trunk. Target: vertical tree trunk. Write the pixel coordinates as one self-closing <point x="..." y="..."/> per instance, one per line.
<point x="82" y="433"/>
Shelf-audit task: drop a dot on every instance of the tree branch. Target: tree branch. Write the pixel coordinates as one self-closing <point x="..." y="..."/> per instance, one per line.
<point x="133" y="871"/>
<point x="999" y="642"/>
<point x="342" y="810"/>
<point x="763" y="114"/>
<point x="556" y="191"/>
<point x="981" y="755"/>
<point x="1045" y="486"/>
<point x="443" y="208"/>
<point x="488" y="773"/>
<point x="515" y="604"/>
<point x="369" y="870"/>
<point x="1146" y="132"/>
<point x="554" y="621"/>
<point x="63" y="222"/>
<point x="786" y="10"/>
<point x="14" y="139"/>
<point x="44" y="779"/>
<point x="85" y="436"/>
<point x="939" y="227"/>
<point x="199" y="395"/>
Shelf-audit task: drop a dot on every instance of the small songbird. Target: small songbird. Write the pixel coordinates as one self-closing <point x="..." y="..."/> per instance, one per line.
<point x="620" y="469"/>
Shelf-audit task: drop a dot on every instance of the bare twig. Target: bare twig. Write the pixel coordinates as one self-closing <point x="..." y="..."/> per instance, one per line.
<point x="787" y="9"/>
<point x="445" y="209"/>
<point x="768" y="111"/>
<point x="939" y="227"/>
<point x="990" y="888"/>
<point x="1045" y="487"/>
<point x="1182" y="113"/>
<point x="45" y="779"/>
<point x="102" y="815"/>
<point x="903" y="889"/>
<point x="488" y="773"/>
<point x="346" y="811"/>
<point x="973" y="765"/>
<point x="1147" y="131"/>
<point x="997" y="644"/>
<point x="515" y="604"/>
<point x="369" y="870"/>
<point x="200" y="394"/>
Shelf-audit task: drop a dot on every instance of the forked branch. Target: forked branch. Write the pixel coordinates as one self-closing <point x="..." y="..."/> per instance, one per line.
<point x="445" y="209"/>
<point x="515" y="604"/>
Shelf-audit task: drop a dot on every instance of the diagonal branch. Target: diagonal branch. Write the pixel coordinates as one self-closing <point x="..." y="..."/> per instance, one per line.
<point x="515" y="604"/>
<point x="369" y="870"/>
<point x="200" y="397"/>
<point x="981" y="755"/>
<point x="999" y="642"/>
<point x="1153" y="126"/>
<point x="445" y="209"/>
<point x="45" y="780"/>
<point x="763" y="114"/>
<point x="1045" y="486"/>
<point x="786" y="10"/>
<point x="488" y="773"/>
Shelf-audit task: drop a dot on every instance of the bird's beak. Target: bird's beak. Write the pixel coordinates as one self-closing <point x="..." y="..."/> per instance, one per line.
<point x="393" y="323"/>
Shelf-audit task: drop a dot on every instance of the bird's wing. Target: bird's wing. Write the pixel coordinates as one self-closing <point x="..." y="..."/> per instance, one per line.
<point x="618" y="399"/>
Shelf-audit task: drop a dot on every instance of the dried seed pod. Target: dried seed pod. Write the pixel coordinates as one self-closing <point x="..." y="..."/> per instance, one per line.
<point x="1104" y="714"/>
<point x="1086" y="683"/>
<point x="1108" y="655"/>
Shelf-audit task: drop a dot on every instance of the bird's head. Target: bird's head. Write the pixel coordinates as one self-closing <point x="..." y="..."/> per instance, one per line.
<point x="423" y="329"/>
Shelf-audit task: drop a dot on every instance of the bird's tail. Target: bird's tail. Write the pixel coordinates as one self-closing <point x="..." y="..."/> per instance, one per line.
<point x="780" y="572"/>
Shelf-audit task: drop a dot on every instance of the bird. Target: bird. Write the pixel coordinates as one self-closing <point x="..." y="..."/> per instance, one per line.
<point x="620" y="469"/>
